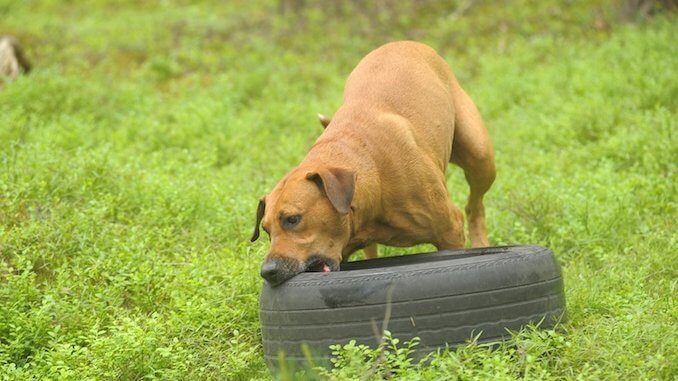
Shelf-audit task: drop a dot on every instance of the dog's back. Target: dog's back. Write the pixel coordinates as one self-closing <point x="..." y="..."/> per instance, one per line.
<point x="403" y="85"/>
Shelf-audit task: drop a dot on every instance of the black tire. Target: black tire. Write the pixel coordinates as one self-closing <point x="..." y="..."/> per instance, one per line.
<point x="443" y="298"/>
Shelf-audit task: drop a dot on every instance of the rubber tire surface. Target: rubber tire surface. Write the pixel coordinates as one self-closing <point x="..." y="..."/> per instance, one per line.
<point x="444" y="298"/>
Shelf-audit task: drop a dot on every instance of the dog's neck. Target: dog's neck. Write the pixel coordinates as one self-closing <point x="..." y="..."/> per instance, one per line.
<point x="365" y="207"/>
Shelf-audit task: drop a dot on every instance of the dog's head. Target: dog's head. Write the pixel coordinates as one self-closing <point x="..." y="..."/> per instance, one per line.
<point x="307" y="219"/>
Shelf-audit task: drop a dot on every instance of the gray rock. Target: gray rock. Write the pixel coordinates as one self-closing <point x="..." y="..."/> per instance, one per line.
<point x="13" y="61"/>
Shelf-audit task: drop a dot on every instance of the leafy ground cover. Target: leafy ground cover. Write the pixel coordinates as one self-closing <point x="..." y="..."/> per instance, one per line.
<point x="132" y="157"/>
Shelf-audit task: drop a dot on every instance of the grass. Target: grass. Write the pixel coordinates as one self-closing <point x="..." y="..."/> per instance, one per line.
<point x="131" y="160"/>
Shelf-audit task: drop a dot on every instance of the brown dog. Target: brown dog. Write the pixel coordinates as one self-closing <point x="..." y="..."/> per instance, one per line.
<point x="377" y="173"/>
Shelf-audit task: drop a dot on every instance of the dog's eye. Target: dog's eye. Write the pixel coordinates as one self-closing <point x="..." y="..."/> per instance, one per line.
<point x="291" y="221"/>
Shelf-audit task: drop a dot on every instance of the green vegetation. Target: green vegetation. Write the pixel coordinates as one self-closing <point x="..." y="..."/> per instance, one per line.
<point x="132" y="157"/>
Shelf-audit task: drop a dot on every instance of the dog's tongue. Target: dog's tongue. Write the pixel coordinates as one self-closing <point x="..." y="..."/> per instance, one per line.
<point x="326" y="268"/>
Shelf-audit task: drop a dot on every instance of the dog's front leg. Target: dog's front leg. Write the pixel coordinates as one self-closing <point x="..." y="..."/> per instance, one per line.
<point x="371" y="251"/>
<point x="451" y="230"/>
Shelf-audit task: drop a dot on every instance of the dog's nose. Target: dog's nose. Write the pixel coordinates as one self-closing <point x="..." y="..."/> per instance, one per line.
<point x="277" y="270"/>
<point x="270" y="270"/>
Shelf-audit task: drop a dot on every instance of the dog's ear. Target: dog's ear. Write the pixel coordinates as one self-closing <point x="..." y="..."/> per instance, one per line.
<point x="261" y="208"/>
<point x="325" y="121"/>
<point x="338" y="184"/>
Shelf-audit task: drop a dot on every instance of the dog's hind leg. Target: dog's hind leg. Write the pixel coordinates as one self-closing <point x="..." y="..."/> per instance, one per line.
<point x="371" y="251"/>
<point x="472" y="151"/>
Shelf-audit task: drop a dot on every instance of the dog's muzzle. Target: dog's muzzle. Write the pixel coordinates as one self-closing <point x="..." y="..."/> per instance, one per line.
<point x="278" y="270"/>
